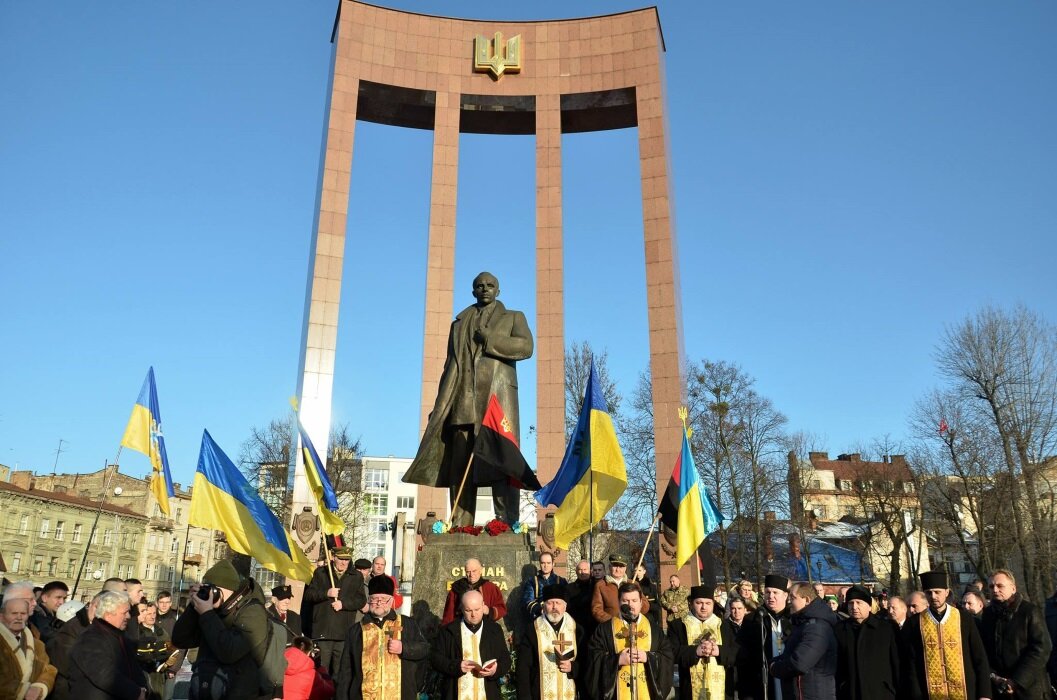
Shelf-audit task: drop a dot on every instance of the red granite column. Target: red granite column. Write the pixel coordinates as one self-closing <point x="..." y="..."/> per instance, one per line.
<point x="550" y="317"/>
<point x="662" y="283"/>
<point x="440" y="271"/>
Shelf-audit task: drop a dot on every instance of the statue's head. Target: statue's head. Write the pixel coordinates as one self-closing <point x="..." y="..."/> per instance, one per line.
<point x="485" y="288"/>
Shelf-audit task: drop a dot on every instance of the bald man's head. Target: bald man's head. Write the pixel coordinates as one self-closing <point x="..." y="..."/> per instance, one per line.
<point x="473" y="607"/>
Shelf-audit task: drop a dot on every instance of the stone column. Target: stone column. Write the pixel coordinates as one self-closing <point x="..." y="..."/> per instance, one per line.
<point x="326" y="260"/>
<point x="550" y="316"/>
<point x="662" y="283"/>
<point x="440" y="272"/>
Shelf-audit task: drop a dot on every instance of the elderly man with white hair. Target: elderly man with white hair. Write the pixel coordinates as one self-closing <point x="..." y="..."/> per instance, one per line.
<point x="550" y="650"/>
<point x="103" y="661"/>
<point x="25" y="672"/>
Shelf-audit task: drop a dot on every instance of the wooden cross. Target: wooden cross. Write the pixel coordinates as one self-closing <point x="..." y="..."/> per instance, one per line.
<point x="396" y="628"/>
<point x="561" y="644"/>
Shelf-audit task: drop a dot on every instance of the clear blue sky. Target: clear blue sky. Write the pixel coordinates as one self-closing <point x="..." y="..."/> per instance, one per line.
<point x="849" y="178"/>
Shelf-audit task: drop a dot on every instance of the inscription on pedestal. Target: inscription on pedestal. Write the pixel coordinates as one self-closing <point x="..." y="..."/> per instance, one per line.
<point x="507" y="559"/>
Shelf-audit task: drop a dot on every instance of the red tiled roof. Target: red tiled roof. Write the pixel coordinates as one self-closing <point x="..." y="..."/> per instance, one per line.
<point x="67" y="498"/>
<point x="852" y="469"/>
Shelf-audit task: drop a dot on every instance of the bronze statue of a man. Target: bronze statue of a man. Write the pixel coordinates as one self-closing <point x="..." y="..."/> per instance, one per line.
<point x="484" y="342"/>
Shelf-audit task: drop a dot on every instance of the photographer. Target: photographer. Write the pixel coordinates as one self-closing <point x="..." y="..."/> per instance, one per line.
<point x="226" y="620"/>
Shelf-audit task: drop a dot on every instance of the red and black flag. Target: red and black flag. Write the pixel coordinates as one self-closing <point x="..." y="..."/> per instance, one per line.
<point x="496" y="446"/>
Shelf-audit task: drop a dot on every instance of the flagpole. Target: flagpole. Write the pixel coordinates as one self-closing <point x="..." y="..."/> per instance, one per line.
<point x="591" y="517"/>
<point x="326" y="551"/>
<point x="458" y="495"/>
<point x="649" y="535"/>
<point x="95" y="523"/>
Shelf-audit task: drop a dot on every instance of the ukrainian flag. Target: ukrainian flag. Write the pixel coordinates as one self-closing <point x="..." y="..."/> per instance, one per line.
<point x="223" y="500"/>
<point x="143" y="434"/>
<point x="686" y="507"/>
<point x="592" y="476"/>
<point x="319" y="482"/>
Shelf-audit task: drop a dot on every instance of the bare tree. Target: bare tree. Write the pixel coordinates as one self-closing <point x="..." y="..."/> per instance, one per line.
<point x="1007" y="362"/>
<point x="736" y="442"/>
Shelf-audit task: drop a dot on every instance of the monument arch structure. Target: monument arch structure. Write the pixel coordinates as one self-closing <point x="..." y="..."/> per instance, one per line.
<point x="543" y="78"/>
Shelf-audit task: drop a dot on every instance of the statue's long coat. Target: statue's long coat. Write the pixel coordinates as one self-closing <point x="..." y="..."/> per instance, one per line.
<point x="487" y="370"/>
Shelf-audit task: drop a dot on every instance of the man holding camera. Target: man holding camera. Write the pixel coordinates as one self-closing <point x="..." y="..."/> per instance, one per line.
<point x="226" y="620"/>
<point x="338" y="595"/>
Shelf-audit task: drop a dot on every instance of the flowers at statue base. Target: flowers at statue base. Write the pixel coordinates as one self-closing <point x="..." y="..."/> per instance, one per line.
<point x="520" y="528"/>
<point x="474" y="530"/>
<point x="496" y="527"/>
<point x="440" y="527"/>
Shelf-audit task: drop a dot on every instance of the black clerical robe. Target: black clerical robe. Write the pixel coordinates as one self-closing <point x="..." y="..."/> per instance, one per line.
<point x="974" y="659"/>
<point x="686" y="654"/>
<point x="755" y="653"/>
<point x="446" y="657"/>
<point x="602" y="669"/>
<point x="528" y="661"/>
<point x="292" y="623"/>
<point x="350" y="674"/>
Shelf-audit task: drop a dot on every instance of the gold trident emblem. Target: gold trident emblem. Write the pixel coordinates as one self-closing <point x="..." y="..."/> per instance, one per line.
<point x="496" y="57"/>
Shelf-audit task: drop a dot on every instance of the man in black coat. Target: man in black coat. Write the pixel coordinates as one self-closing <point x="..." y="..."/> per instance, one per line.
<point x="561" y="640"/>
<point x="962" y="658"/>
<point x="103" y="662"/>
<point x="705" y="649"/>
<point x="867" y="652"/>
<point x="1016" y="640"/>
<point x="338" y="595"/>
<point x="368" y="672"/>
<point x="470" y="653"/>
<point x="650" y="665"/>
<point x="279" y="610"/>
<point x="808" y="662"/>
<point x="761" y="640"/>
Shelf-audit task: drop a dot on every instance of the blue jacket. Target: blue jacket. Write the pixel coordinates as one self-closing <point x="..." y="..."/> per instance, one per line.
<point x="809" y="660"/>
<point x="530" y="596"/>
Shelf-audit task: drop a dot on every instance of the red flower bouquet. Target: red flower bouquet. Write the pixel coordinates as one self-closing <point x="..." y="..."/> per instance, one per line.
<point x="496" y="527"/>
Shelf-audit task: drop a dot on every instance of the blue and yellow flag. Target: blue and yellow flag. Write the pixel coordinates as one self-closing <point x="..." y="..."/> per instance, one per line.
<point x="686" y="507"/>
<point x="592" y="476"/>
<point x="223" y="500"/>
<point x="319" y="482"/>
<point x="143" y="434"/>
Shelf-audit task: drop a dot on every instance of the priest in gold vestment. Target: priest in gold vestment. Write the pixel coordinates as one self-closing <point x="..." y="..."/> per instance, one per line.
<point x="550" y="651"/>
<point x="627" y="651"/>
<point x="381" y="651"/>
<point x="945" y="655"/>
<point x="705" y="649"/>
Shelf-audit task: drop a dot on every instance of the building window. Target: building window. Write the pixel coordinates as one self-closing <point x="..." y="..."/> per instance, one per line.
<point x="152" y="542"/>
<point x="845" y="485"/>
<point x="77" y="532"/>
<point x="379" y="526"/>
<point x="405" y="501"/>
<point x="70" y="563"/>
<point x="38" y="563"/>
<point x="378" y="504"/>
<point x="908" y="487"/>
<point x="16" y="562"/>
<point x="816" y="484"/>
<point x="45" y="527"/>
<point x="108" y="535"/>
<point x="376" y="479"/>
<point x="175" y="545"/>
<point x="821" y="511"/>
<point x="60" y="529"/>
<point x="53" y="563"/>
<point x="124" y="540"/>
<point x="179" y="513"/>
<point x="23" y="525"/>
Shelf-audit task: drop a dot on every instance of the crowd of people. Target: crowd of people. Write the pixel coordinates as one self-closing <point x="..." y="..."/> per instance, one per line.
<point x="600" y="636"/>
